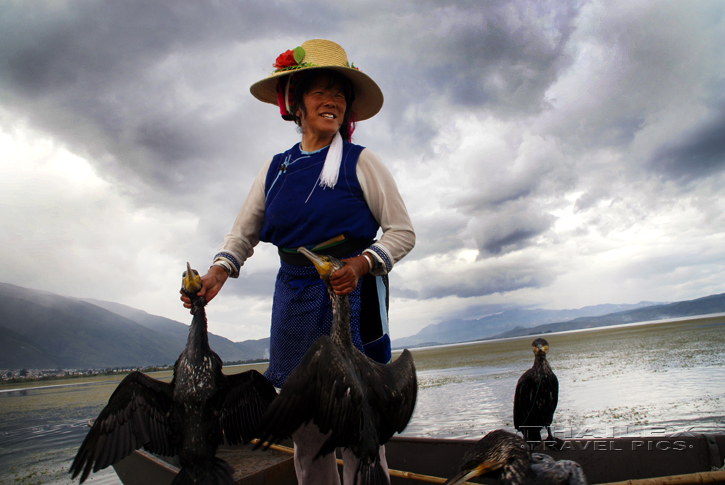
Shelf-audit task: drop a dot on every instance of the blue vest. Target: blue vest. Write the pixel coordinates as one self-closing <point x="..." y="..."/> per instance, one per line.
<point x="298" y="212"/>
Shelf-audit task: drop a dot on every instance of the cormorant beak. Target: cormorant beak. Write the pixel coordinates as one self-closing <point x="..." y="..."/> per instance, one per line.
<point x="191" y="281"/>
<point x="465" y="475"/>
<point x="486" y="467"/>
<point x="321" y="265"/>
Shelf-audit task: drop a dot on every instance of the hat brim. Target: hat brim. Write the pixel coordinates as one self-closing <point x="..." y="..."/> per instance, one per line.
<point x="368" y="96"/>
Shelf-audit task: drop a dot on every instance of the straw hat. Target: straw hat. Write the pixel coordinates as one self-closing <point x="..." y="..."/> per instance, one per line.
<point x="318" y="54"/>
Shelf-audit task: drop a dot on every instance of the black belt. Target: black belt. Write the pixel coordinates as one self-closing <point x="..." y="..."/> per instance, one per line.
<point x="339" y="251"/>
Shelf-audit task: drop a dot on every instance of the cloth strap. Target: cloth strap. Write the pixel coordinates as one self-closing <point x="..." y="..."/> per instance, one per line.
<point x="340" y="251"/>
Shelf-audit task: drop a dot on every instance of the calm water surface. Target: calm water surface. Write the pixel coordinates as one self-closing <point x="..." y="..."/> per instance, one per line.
<point x="633" y="380"/>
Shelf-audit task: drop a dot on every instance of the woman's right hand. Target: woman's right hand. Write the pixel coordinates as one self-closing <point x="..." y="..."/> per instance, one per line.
<point x="211" y="283"/>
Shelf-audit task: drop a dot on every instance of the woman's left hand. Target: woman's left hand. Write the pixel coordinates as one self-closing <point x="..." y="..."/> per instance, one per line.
<point x="345" y="279"/>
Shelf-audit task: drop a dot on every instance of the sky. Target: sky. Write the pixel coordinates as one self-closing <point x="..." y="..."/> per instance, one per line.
<point x="551" y="154"/>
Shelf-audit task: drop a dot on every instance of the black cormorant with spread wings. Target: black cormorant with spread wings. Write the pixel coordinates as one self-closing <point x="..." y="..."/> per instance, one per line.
<point x="190" y="416"/>
<point x="537" y="394"/>
<point x="507" y="457"/>
<point x="360" y="402"/>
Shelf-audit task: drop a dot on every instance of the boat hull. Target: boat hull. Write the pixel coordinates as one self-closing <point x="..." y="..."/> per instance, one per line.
<point x="603" y="460"/>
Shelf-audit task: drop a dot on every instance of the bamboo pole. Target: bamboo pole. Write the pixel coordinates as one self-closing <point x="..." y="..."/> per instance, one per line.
<point x="393" y="473"/>
<point x="690" y="478"/>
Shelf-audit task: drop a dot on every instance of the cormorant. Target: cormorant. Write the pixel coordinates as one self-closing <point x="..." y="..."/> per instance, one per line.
<point x="506" y="456"/>
<point x="537" y="394"/>
<point x="360" y="402"/>
<point x="190" y="416"/>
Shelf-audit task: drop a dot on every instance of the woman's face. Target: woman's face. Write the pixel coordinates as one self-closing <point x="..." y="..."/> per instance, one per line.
<point x="325" y="105"/>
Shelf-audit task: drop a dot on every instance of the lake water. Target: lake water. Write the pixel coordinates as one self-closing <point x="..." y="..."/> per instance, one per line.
<point x="634" y="380"/>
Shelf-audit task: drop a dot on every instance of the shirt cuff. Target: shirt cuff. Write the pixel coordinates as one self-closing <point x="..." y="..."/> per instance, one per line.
<point x="227" y="261"/>
<point x="383" y="262"/>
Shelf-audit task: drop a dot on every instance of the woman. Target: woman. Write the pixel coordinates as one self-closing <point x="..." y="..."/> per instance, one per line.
<point x="330" y="196"/>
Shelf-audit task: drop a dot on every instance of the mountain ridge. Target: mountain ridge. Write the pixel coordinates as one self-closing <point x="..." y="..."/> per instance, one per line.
<point x="459" y="330"/>
<point x="43" y="330"/>
<point x="707" y="305"/>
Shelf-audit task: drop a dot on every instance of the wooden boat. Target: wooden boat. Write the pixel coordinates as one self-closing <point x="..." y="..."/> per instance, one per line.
<point x="678" y="460"/>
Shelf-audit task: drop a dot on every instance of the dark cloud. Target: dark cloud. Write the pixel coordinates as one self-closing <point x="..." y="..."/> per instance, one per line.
<point x="436" y="233"/>
<point x="56" y="45"/>
<point x="499" y="192"/>
<point x="497" y="115"/>
<point x="144" y="87"/>
<point x="504" y="59"/>
<point x="697" y="154"/>
<point x="479" y="281"/>
<point x="110" y="78"/>
<point x="506" y="232"/>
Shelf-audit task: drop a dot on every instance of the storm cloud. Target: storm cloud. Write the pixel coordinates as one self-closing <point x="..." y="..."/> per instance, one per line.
<point x="555" y="154"/>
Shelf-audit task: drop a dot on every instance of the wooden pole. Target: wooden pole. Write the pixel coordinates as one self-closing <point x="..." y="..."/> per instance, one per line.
<point x="691" y="478"/>
<point x="393" y="473"/>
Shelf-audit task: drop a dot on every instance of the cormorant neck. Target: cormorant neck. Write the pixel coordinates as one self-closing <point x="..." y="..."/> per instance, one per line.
<point x="198" y="336"/>
<point x="340" y="331"/>
<point x="540" y="361"/>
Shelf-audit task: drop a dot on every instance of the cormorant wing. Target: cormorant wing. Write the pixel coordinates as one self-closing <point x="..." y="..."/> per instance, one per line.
<point x="137" y="414"/>
<point x="553" y="397"/>
<point x="524" y="397"/>
<point x="249" y="396"/>
<point x="322" y="389"/>
<point x="392" y="390"/>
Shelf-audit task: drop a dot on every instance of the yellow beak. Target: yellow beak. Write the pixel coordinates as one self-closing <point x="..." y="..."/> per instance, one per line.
<point x="322" y="266"/>
<point x="191" y="281"/>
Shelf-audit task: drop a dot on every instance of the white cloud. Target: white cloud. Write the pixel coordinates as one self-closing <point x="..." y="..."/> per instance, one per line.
<point x="550" y="154"/>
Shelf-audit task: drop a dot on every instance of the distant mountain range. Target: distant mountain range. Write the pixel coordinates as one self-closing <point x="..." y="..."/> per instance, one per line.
<point x="41" y="330"/>
<point x="519" y="322"/>
<point x="690" y="308"/>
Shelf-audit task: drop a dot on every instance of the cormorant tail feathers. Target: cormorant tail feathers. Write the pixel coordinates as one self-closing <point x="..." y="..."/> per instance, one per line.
<point x="214" y="472"/>
<point x="370" y="474"/>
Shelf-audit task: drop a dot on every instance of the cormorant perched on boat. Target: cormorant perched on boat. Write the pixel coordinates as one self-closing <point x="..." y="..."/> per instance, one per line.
<point x="360" y="402"/>
<point x="537" y="394"/>
<point x="190" y="416"/>
<point x="506" y="456"/>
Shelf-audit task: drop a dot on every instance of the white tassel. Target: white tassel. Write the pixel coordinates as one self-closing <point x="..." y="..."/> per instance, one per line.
<point x="331" y="168"/>
<point x="286" y="95"/>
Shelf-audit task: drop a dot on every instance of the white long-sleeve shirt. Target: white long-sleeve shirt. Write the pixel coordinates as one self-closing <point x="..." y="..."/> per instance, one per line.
<point x="380" y="193"/>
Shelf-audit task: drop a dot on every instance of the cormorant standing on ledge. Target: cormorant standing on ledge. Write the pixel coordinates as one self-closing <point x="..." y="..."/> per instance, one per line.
<point x="360" y="402"/>
<point x="537" y="394"/>
<point x="506" y="456"/>
<point x="190" y="416"/>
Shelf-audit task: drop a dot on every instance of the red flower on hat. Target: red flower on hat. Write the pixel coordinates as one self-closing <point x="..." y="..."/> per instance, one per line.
<point x="285" y="59"/>
<point x="291" y="59"/>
